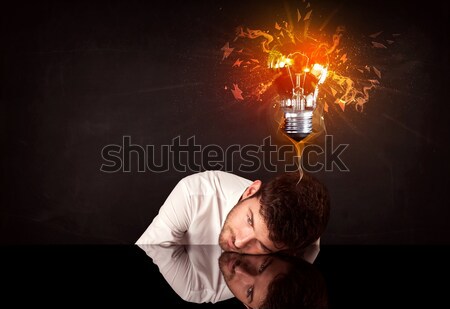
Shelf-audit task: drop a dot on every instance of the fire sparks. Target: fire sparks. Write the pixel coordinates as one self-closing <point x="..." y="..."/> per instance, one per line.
<point x="260" y="59"/>
<point x="237" y="93"/>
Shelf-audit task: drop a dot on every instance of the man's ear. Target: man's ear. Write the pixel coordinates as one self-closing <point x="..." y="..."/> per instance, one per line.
<point x="252" y="189"/>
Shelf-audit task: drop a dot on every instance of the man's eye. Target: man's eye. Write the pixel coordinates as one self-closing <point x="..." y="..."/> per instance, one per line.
<point x="249" y="220"/>
<point x="250" y="292"/>
<point x="263" y="265"/>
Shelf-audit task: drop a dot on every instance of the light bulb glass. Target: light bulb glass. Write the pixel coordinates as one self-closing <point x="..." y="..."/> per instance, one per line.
<point x="298" y="89"/>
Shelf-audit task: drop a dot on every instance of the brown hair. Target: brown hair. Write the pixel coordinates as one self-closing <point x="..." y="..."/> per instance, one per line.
<point x="302" y="287"/>
<point x="295" y="211"/>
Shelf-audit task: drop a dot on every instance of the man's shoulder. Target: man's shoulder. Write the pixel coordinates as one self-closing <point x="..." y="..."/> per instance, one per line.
<point x="214" y="178"/>
<point x="213" y="174"/>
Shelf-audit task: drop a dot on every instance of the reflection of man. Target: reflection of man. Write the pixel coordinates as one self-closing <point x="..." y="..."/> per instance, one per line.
<point x="242" y="216"/>
<point x="193" y="271"/>
<point x="271" y="281"/>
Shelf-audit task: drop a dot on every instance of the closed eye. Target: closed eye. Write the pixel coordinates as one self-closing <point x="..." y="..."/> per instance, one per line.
<point x="250" y="220"/>
<point x="264" y="265"/>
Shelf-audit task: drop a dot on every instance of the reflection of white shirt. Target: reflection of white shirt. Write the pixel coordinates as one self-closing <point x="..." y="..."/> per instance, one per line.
<point x="192" y="271"/>
<point x="196" y="209"/>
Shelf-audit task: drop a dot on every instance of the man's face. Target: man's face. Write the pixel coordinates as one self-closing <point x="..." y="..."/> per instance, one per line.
<point x="248" y="276"/>
<point x="245" y="231"/>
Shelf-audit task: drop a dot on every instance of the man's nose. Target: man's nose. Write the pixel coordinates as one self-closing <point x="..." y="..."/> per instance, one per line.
<point x="244" y="237"/>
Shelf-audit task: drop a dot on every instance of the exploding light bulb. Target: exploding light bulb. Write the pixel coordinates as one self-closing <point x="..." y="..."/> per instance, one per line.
<point x="299" y="75"/>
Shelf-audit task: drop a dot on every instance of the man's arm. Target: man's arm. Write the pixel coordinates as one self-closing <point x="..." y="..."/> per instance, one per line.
<point x="173" y="219"/>
<point x="192" y="271"/>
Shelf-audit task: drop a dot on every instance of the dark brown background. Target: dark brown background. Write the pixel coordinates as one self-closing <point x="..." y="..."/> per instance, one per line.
<point x="78" y="75"/>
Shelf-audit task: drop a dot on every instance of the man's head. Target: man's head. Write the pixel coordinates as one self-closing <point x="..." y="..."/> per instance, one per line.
<point x="282" y="214"/>
<point x="273" y="281"/>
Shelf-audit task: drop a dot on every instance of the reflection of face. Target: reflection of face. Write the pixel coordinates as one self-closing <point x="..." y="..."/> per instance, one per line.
<point x="248" y="276"/>
<point x="245" y="231"/>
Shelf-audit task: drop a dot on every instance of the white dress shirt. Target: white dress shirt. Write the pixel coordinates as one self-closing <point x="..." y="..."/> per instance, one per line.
<point x="196" y="209"/>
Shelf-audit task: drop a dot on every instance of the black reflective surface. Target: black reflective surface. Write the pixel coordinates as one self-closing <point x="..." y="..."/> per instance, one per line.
<point x="355" y="276"/>
<point x="207" y="274"/>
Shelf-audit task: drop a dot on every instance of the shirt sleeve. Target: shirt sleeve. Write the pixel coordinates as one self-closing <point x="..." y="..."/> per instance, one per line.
<point x="192" y="271"/>
<point x="173" y="219"/>
<point x="174" y="265"/>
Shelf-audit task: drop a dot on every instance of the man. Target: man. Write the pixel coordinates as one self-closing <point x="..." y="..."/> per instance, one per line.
<point x="287" y="213"/>
<point x="274" y="281"/>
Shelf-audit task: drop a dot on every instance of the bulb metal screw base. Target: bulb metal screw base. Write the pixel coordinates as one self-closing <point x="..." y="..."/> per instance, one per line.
<point x="298" y="125"/>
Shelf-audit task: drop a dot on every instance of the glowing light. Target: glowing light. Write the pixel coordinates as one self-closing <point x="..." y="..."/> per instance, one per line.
<point x="297" y="88"/>
<point x="305" y="69"/>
